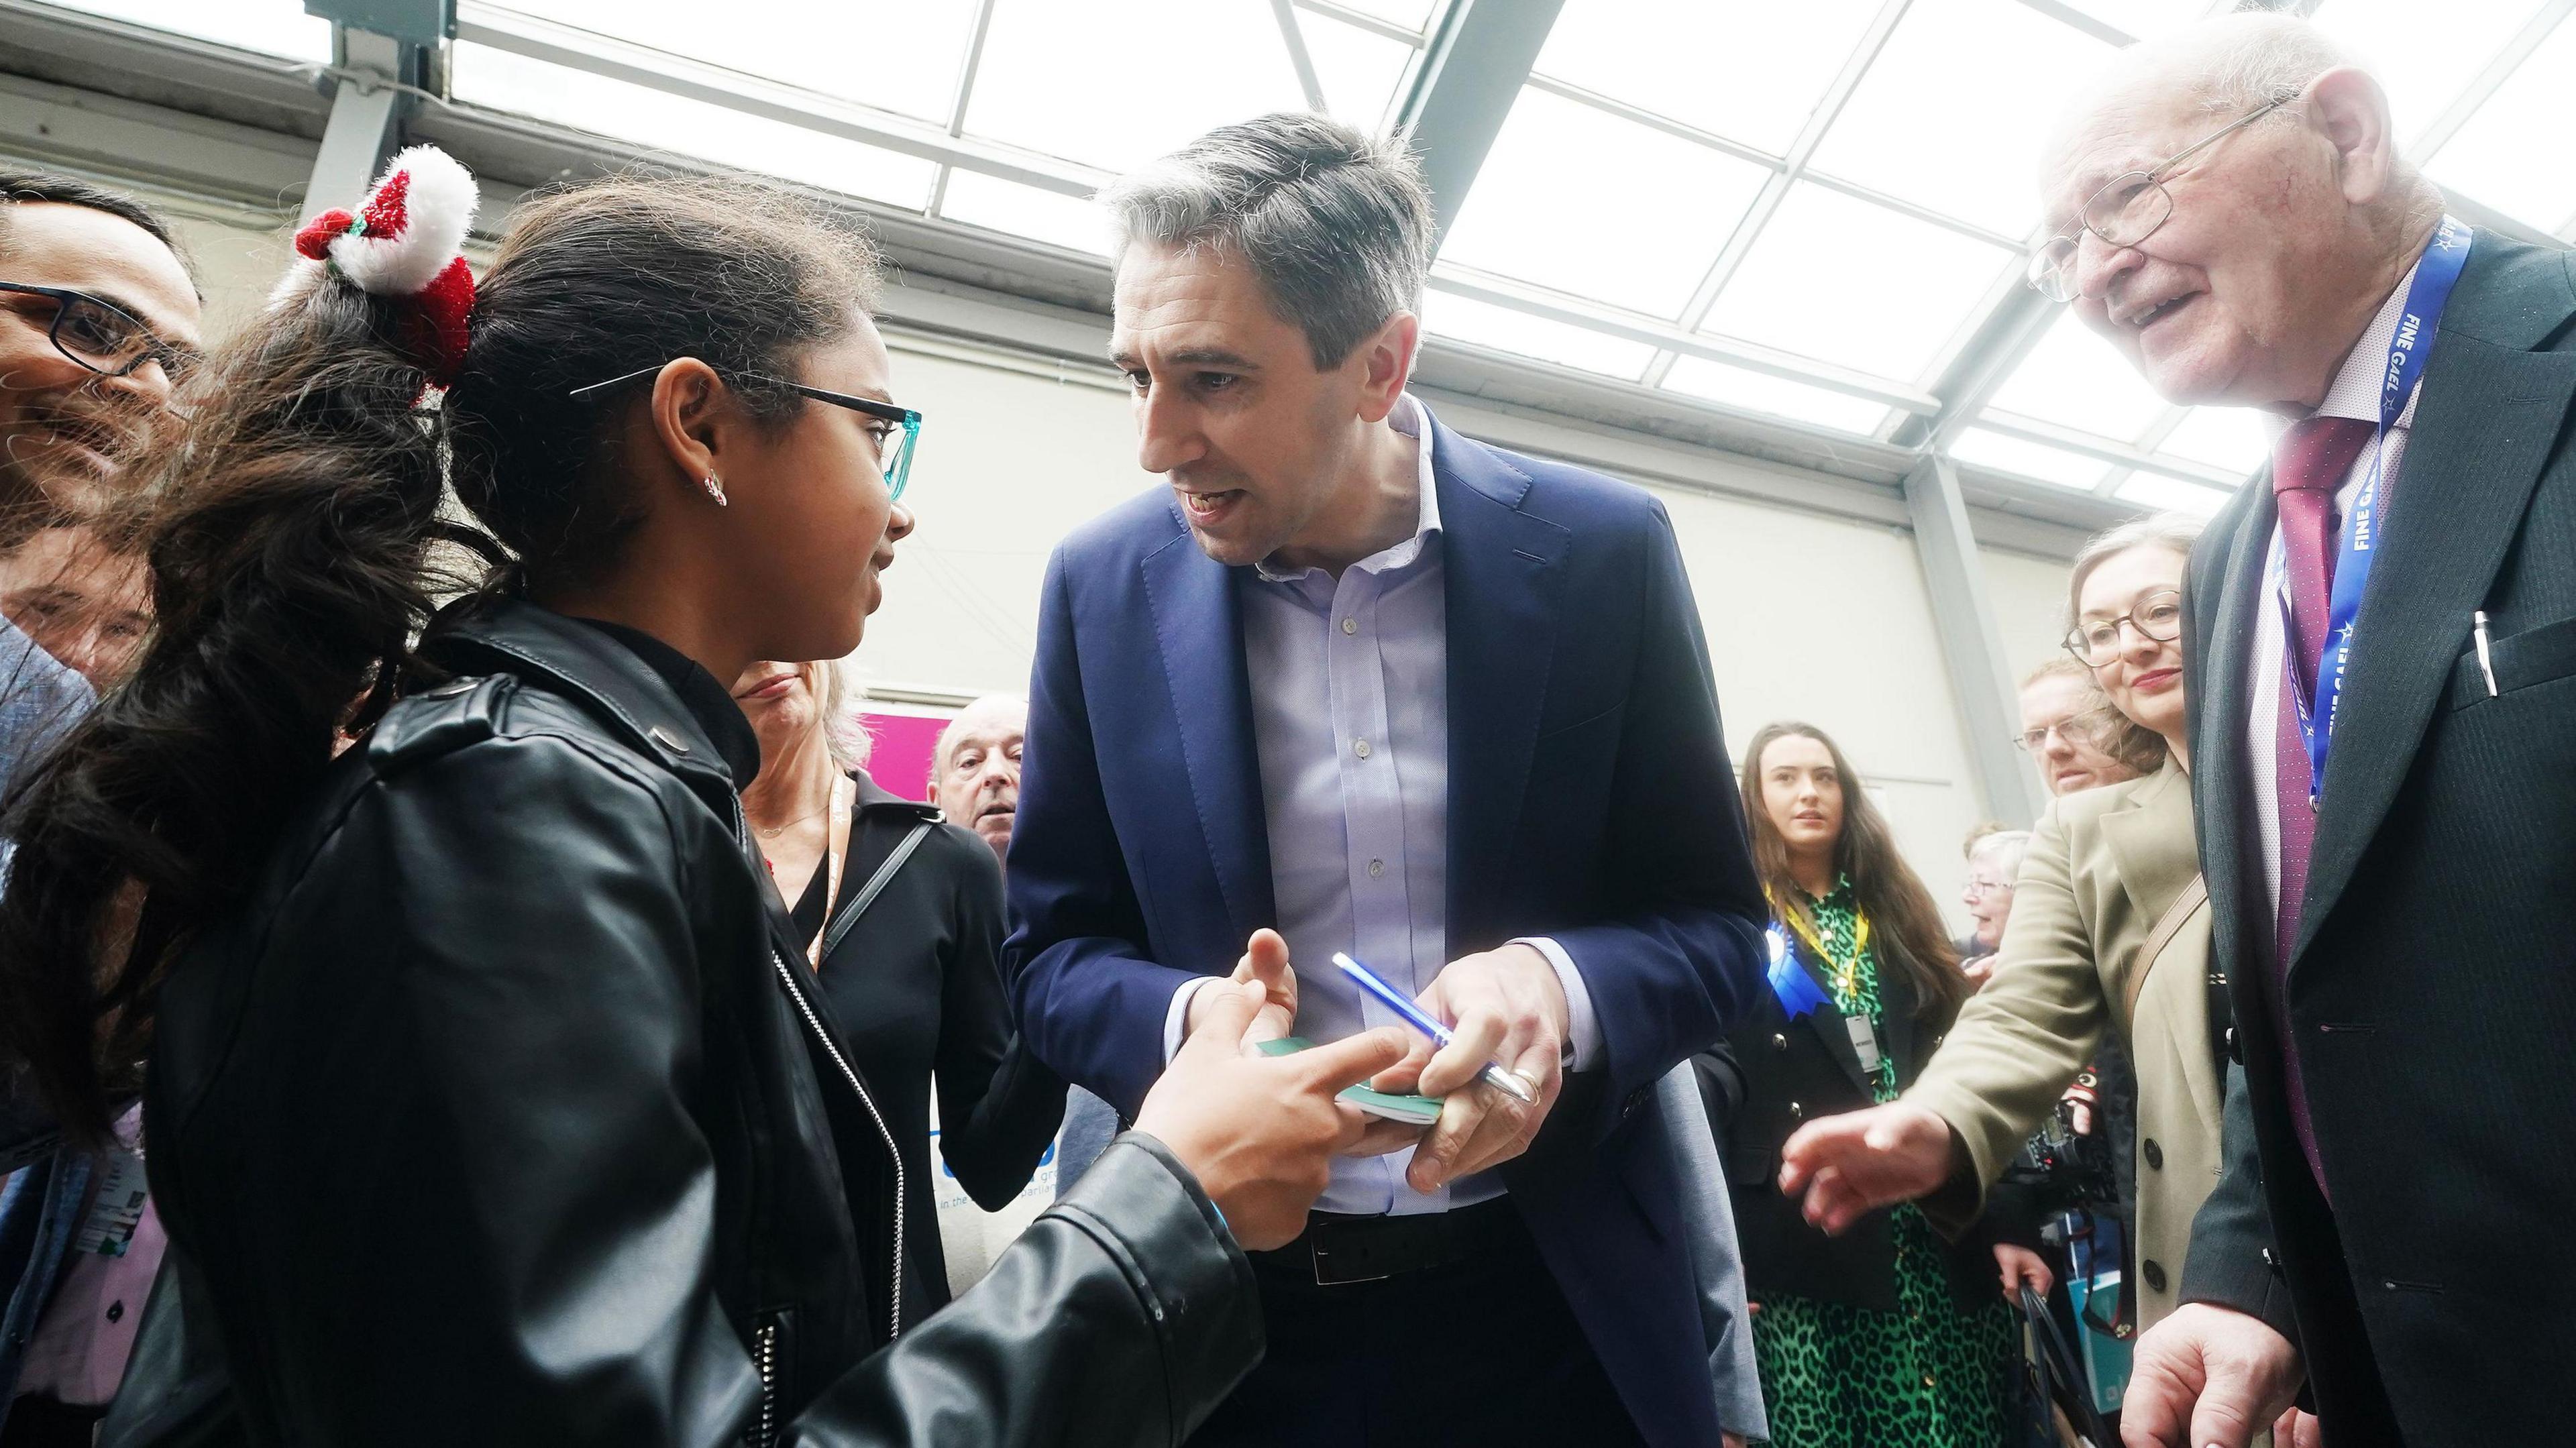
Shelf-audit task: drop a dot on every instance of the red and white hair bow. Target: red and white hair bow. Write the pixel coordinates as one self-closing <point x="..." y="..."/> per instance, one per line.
<point x="405" y="244"/>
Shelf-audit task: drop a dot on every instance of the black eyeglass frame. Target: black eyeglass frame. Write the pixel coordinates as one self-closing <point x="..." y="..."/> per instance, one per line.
<point x="896" y="472"/>
<point x="176" y="361"/>
<point x="2074" y="640"/>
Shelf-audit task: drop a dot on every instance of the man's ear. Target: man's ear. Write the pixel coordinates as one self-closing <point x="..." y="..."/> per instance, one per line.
<point x="1386" y="364"/>
<point x="689" y="407"/>
<point x="2352" y="111"/>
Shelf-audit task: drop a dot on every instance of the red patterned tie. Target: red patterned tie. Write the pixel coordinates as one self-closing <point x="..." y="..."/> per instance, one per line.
<point x="2309" y="463"/>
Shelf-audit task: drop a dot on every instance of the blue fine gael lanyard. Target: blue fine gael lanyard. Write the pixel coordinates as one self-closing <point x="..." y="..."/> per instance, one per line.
<point x="2355" y="547"/>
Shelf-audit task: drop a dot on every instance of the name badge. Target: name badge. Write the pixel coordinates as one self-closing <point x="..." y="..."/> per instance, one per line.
<point x="1864" y="1039"/>
<point x="116" y="1210"/>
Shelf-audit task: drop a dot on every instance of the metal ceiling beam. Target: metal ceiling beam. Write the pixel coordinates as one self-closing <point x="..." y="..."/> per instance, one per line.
<point x="1981" y="673"/>
<point x="967" y="68"/>
<point x="2098" y="29"/>
<point x="367" y="112"/>
<point x="1462" y="88"/>
<point x="126" y="101"/>
<point x="1294" y="37"/>
<point x="659" y="70"/>
<point x="1361" y="19"/>
<point x="1766" y="203"/>
<point x="2119" y="454"/>
<point x="2014" y="321"/>
<point x="2480" y="90"/>
<point x="1656" y="332"/>
<point x="1764" y="159"/>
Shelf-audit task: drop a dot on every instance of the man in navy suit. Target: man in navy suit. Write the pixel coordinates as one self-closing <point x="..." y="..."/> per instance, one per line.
<point x="1356" y="683"/>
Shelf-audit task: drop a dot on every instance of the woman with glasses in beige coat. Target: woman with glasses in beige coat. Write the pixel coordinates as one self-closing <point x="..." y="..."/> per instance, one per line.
<point x="2109" y="932"/>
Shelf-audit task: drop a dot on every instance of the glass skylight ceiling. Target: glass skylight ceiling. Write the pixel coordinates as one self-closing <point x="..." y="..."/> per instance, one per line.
<point x="1801" y="211"/>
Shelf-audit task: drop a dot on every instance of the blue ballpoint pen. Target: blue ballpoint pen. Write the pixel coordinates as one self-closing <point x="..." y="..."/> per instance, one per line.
<point x="1509" y="1083"/>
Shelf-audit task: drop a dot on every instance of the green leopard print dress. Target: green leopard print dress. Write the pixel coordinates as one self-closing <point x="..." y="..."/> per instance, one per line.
<point x="1929" y="1375"/>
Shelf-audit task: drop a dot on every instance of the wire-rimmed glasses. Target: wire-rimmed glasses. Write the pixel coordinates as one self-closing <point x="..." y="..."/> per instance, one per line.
<point x="894" y="466"/>
<point x="2125" y="211"/>
<point x="103" y="337"/>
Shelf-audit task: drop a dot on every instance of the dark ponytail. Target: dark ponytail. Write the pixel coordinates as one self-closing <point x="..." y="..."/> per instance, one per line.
<point x="296" y="536"/>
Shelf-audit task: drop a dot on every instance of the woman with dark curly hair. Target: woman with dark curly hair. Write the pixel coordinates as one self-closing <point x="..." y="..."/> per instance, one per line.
<point x="489" y="1097"/>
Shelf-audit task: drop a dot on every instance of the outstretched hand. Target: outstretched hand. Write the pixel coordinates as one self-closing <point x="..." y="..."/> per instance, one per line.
<point x="1855" y="1163"/>
<point x="1260" y="1132"/>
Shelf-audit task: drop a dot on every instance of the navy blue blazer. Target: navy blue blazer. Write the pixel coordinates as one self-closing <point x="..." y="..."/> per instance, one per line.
<point x="1590" y="800"/>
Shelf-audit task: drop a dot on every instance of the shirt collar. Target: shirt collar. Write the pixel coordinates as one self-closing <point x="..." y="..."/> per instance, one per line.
<point x="1413" y="420"/>
<point x="707" y="701"/>
<point x="2355" y="392"/>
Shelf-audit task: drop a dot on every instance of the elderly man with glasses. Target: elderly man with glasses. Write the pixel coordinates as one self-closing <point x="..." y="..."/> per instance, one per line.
<point x="2386" y="774"/>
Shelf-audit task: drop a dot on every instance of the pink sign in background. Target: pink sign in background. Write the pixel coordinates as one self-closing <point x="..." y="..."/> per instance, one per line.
<point x="900" y="760"/>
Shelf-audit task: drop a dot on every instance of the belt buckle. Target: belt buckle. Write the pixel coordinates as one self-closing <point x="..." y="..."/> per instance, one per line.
<point x="1327" y="1275"/>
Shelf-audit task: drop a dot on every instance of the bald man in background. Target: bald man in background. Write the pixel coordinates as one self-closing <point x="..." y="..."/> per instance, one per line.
<point x="975" y="768"/>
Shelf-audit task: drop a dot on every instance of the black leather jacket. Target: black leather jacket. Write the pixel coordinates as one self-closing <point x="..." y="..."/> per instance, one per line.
<point x="504" y="1111"/>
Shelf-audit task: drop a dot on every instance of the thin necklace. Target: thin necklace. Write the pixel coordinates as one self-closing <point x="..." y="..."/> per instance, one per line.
<point x="776" y="831"/>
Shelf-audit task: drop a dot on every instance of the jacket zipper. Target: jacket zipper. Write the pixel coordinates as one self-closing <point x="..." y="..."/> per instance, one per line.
<point x="787" y="977"/>
<point x="805" y="1008"/>
<point x="765" y="1354"/>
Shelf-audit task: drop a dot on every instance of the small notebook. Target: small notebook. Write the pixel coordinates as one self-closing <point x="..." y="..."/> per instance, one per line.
<point x="1417" y="1110"/>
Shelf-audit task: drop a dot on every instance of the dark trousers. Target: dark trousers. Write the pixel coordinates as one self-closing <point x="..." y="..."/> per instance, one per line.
<point x="1482" y="1353"/>
<point x="46" y="1423"/>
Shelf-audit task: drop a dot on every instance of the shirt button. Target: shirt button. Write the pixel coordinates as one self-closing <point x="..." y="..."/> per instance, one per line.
<point x="1360" y="748"/>
<point x="2154" y="1154"/>
<point x="1350" y="625"/>
<point x="1376" y="868"/>
<point x="1930" y="1381"/>
<point x="116" y="1310"/>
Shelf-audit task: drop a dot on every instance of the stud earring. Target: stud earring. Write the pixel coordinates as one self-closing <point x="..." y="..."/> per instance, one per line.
<point x="715" y="488"/>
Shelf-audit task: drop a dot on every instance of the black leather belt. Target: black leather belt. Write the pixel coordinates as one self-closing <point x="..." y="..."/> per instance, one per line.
<point x="1336" y="1250"/>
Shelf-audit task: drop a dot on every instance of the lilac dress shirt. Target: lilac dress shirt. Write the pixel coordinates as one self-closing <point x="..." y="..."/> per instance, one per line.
<point x="1350" y="718"/>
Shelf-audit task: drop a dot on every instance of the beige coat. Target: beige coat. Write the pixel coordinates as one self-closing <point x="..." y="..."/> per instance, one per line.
<point x="2104" y="866"/>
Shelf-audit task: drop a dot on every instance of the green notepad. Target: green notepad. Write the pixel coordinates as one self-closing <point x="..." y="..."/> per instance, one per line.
<point x="1418" y="1110"/>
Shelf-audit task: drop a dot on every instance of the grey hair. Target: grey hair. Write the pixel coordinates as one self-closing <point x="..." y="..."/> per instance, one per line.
<point x="1337" y="225"/>
<point x="2007" y="848"/>
<point x="2249" y="58"/>
<point x="2221" y="67"/>
<point x="840" y="696"/>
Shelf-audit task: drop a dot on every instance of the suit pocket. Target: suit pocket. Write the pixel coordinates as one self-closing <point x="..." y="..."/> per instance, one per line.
<point x="2523" y="660"/>
<point x="1751" y="1166"/>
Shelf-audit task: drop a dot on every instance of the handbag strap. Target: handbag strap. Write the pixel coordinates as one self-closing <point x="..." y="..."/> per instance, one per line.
<point x="875" y="886"/>
<point x="2168" y="925"/>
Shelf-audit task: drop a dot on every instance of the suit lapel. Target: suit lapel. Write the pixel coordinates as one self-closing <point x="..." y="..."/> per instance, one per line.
<point x="1198" y="627"/>
<point x="1503" y="572"/>
<point x="2221" y="773"/>
<point x="2485" y="423"/>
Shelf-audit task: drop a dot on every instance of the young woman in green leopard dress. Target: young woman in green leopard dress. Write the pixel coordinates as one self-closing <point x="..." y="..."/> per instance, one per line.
<point x="1886" y="1337"/>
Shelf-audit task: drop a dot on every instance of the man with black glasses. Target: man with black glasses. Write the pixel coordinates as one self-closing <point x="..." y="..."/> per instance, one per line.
<point x="96" y="314"/>
<point x="98" y="319"/>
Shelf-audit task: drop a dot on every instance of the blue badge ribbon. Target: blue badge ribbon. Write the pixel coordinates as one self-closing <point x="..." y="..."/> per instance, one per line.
<point x="2357" y="545"/>
<point x="1797" y="990"/>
